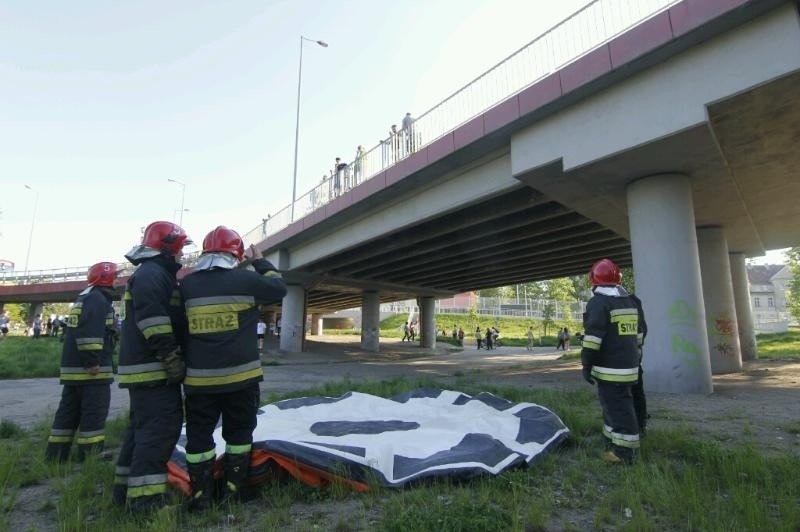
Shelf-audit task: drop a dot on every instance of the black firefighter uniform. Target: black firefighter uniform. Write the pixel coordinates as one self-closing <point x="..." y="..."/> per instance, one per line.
<point x="611" y="349"/>
<point x="223" y="367"/>
<point x="153" y="326"/>
<point x="88" y="343"/>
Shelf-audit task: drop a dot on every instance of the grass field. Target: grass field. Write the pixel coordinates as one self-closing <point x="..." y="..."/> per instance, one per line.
<point x="780" y="345"/>
<point x="680" y="482"/>
<point x="23" y="357"/>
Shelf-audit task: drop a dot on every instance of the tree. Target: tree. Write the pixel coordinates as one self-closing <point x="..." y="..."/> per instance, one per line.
<point x="628" y="282"/>
<point x="793" y="293"/>
<point x="59" y="309"/>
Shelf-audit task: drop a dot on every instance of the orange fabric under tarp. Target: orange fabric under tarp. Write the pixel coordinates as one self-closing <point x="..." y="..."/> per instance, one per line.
<point x="178" y="477"/>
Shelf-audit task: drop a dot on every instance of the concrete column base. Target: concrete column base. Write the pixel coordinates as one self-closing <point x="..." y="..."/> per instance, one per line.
<point x="293" y="319"/>
<point x="370" y="322"/>
<point x="427" y="314"/>
<point x="744" y="313"/>
<point x="721" y="321"/>
<point x="667" y="269"/>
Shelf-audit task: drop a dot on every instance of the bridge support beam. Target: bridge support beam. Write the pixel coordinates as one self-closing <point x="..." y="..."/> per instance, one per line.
<point x="370" y="321"/>
<point x="721" y="324"/>
<point x="293" y="319"/>
<point x="36" y="308"/>
<point x="316" y="324"/>
<point x="744" y="314"/>
<point x="427" y="321"/>
<point x="667" y="270"/>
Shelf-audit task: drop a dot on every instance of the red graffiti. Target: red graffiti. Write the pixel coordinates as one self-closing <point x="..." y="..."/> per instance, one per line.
<point x="724" y="327"/>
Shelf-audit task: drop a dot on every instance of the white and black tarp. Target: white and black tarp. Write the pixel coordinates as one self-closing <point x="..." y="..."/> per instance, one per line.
<point x="413" y="436"/>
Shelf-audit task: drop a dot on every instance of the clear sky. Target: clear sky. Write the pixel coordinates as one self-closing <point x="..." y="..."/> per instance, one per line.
<point x="102" y="102"/>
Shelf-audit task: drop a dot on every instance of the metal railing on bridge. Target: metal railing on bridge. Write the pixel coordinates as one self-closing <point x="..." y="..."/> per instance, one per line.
<point x="593" y="25"/>
<point x="77" y="273"/>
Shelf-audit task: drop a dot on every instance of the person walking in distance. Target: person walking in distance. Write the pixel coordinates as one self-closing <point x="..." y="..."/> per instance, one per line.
<point x="86" y="369"/>
<point x="261" y="330"/>
<point x="529" y="334"/>
<point x="223" y="368"/>
<point x="406" y="333"/>
<point x="4" y="321"/>
<point x="479" y="337"/>
<point x="610" y="357"/>
<point x="151" y="367"/>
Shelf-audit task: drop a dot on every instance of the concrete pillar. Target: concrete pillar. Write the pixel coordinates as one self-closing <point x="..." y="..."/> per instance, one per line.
<point x="723" y="332"/>
<point x="36" y="308"/>
<point x="316" y="324"/>
<point x="427" y="321"/>
<point x="667" y="271"/>
<point x="744" y="313"/>
<point x="293" y="319"/>
<point x="370" y="321"/>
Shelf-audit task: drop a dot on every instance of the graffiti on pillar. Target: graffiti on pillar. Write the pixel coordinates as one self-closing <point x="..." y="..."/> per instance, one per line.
<point x="681" y="313"/>
<point x="724" y="349"/>
<point x="686" y="350"/>
<point x="722" y="326"/>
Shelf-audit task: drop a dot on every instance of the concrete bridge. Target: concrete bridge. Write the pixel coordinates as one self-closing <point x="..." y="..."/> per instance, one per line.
<point x="668" y="144"/>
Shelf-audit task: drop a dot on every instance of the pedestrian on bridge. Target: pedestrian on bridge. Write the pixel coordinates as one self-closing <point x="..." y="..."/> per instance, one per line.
<point x="86" y="371"/>
<point x="151" y="367"/>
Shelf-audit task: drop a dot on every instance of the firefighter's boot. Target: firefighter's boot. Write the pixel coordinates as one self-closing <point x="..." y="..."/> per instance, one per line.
<point x="201" y="476"/>
<point x="57" y="452"/>
<point x="236" y="466"/>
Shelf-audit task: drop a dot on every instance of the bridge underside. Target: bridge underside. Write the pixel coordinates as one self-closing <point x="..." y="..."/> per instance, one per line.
<point x="518" y="236"/>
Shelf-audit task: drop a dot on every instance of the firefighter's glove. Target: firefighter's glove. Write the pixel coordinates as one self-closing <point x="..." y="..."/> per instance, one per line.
<point x="587" y="374"/>
<point x="174" y="366"/>
<point x="93" y="370"/>
<point x="265" y="267"/>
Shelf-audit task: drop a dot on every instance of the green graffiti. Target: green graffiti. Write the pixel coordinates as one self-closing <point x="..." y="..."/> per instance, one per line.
<point x="681" y="345"/>
<point x="680" y="313"/>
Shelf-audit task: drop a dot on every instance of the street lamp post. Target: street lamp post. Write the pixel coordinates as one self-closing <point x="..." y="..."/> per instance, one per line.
<point x="33" y="222"/>
<point x="175" y="214"/>
<point x="297" y="119"/>
<point x="183" y="195"/>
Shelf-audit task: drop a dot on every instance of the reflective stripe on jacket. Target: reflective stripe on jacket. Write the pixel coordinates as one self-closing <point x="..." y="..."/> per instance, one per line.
<point x="222" y="313"/>
<point x="88" y="342"/>
<point x="611" y="340"/>
<point x="153" y="323"/>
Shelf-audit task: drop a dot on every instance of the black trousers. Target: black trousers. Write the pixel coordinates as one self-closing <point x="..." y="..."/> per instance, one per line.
<point x="156" y="418"/>
<point x="640" y="402"/>
<point x="82" y="409"/>
<point x="238" y="411"/>
<point x="620" y="425"/>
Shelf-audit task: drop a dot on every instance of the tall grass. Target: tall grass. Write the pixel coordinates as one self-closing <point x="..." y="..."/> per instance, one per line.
<point x="23" y="357"/>
<point x="681" y="481"/>
<point x="779" y="345"/>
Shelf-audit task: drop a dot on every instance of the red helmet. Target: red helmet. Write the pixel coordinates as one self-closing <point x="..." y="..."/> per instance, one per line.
<point x="605" y="272"/>
<point x="102" y="274"/>
<point x="224" y="240"/>
<point x="166" y="237"/>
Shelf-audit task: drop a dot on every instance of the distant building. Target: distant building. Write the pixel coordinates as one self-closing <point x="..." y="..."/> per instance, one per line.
<point x="768" y="288"/>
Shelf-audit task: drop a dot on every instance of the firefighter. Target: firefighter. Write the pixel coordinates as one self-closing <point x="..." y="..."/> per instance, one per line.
<point x="86" y="371"/>
<point x="151" y="367"/>
<point x="639" y="399"/>
<point x="610" y="356"/>
<point x="223" y="367"/>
